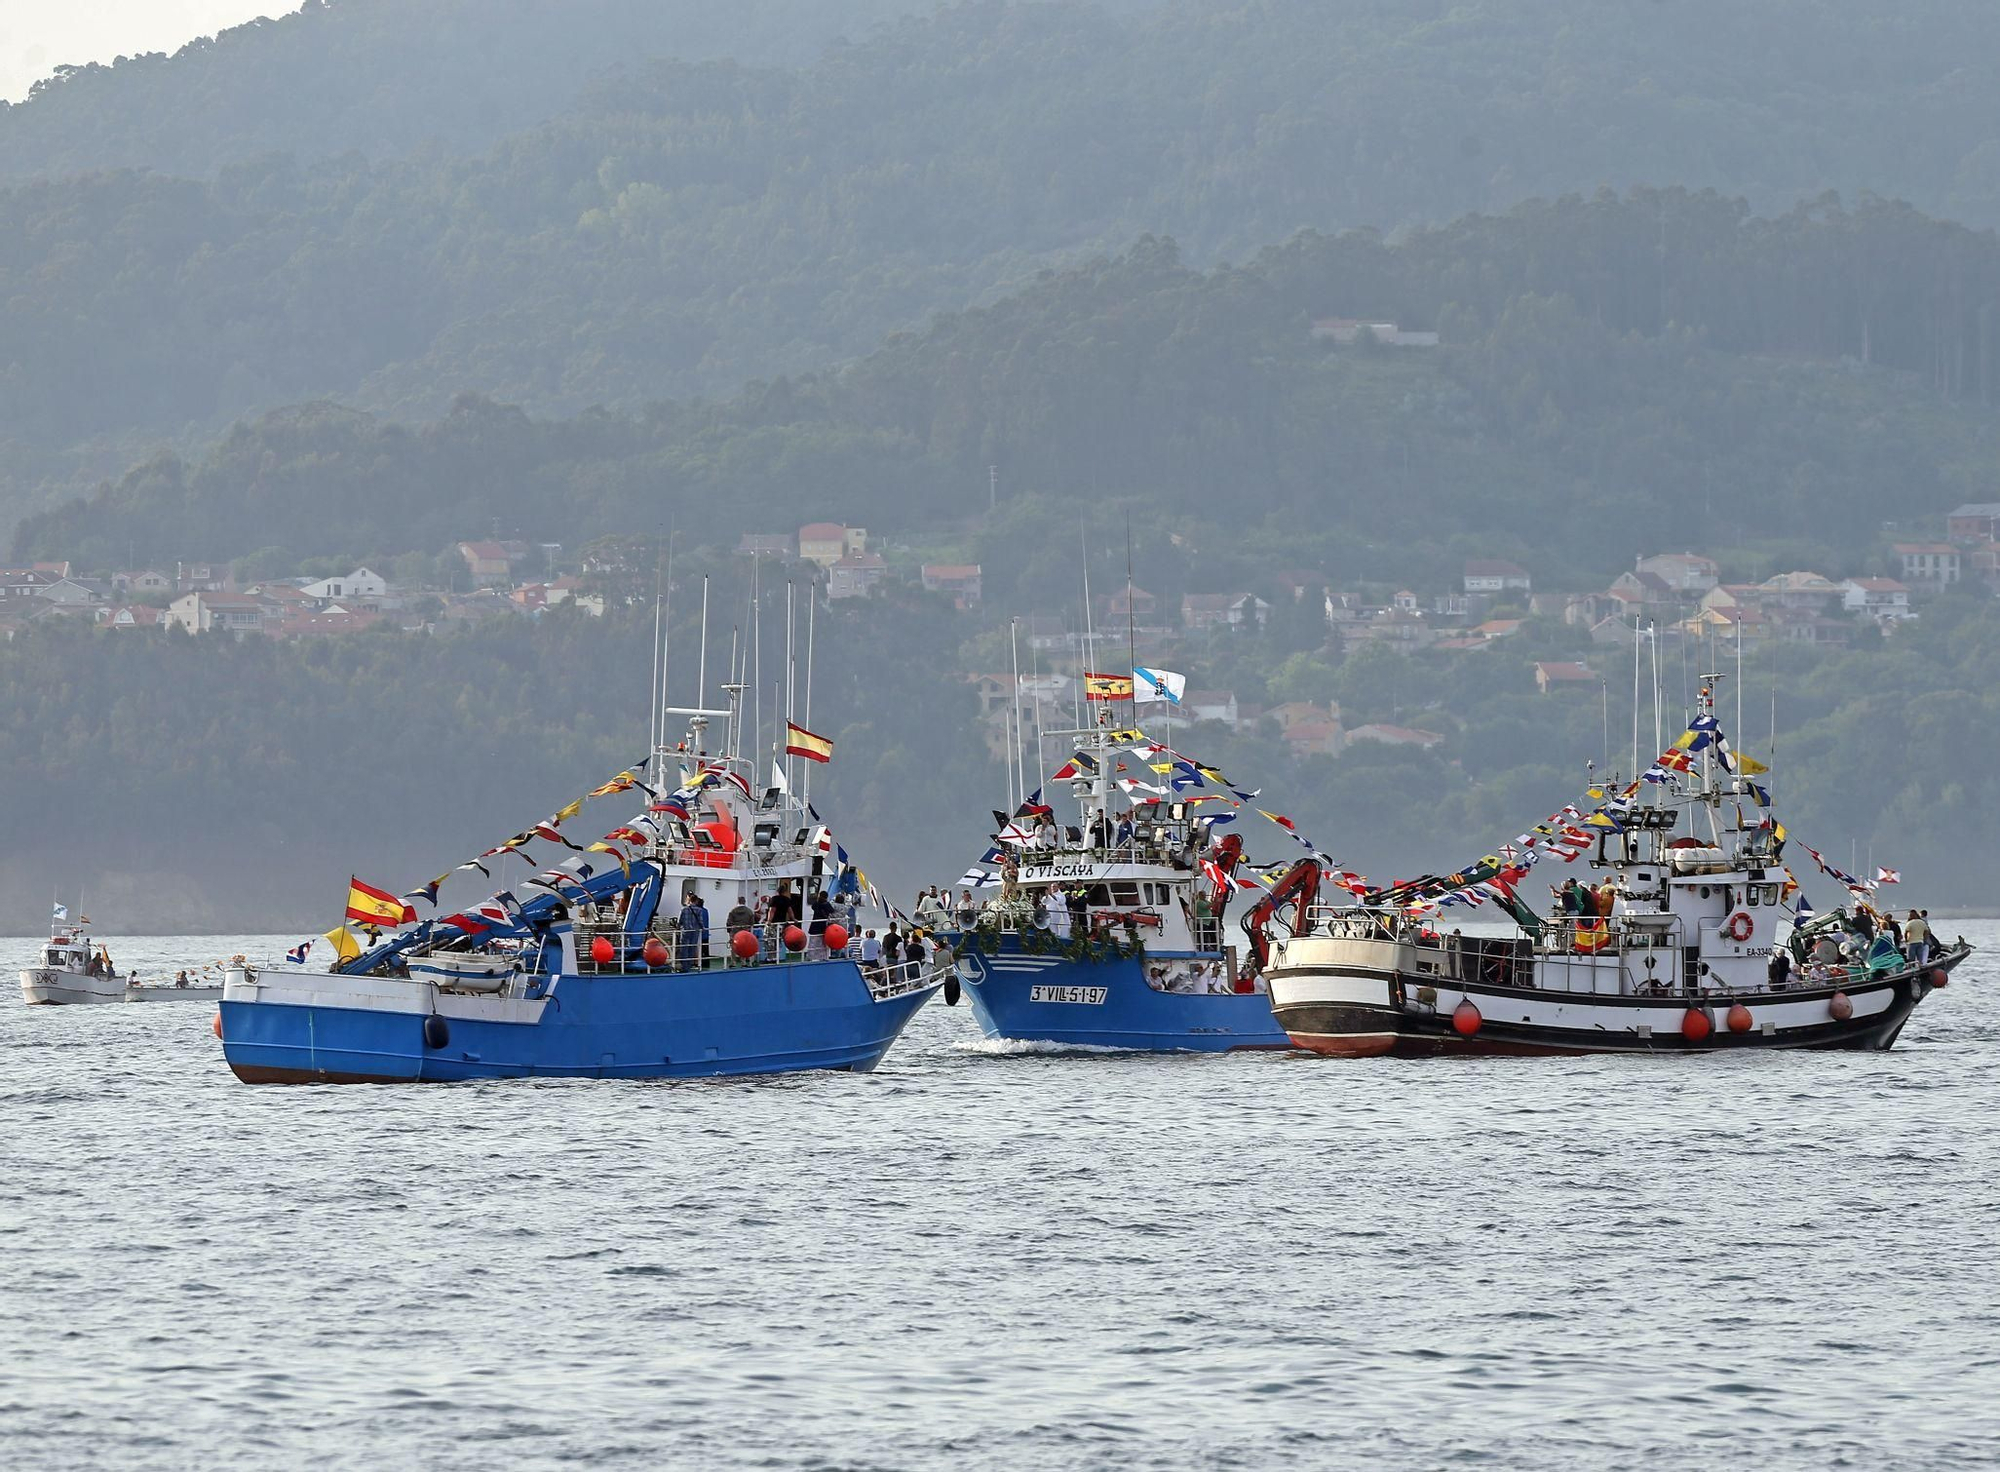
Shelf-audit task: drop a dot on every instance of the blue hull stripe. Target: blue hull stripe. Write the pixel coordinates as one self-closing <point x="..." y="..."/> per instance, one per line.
<point x="722" y="1022"/>
<point x="1131" y="1015"/>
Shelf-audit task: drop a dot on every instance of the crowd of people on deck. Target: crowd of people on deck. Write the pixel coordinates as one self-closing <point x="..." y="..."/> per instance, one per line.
<point x="1858" y="941"/>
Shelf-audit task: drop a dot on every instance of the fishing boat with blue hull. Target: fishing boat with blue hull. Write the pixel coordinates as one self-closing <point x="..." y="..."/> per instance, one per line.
<point x="1110" y="933"/>
<point x="1019" y="993"/>
<point x="609" y="964"/>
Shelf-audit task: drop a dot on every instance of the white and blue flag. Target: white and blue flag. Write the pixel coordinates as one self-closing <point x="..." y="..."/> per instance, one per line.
<point x="1159" y="685"/>
<point x="61" y="911"/>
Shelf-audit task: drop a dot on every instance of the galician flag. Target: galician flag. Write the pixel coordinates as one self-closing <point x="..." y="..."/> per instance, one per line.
<point x="1159" y="685"/>
<point x="61" y="911"/>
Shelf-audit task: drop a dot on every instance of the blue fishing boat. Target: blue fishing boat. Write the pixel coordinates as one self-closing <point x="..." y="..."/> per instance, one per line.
<point x="1110" y="933"/>
<point x="611" y="964"/>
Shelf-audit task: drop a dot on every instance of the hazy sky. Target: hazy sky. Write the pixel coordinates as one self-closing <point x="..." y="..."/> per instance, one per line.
<point x="37" y="36"/>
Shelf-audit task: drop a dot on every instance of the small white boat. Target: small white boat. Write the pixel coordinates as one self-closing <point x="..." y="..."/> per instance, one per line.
<point x="71" y="971"/>
<point x="169" y="991"/>
<point x="465" y="971"/>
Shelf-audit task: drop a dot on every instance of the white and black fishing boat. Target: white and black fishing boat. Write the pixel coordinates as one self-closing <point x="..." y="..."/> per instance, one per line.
<point x="1689" y="941"/>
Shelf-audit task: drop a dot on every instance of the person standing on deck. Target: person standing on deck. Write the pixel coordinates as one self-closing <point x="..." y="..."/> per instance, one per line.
<point x="701" y="923"/>
<point x="1917" y="932"/>
<point x="785" y="911"/>
<point x="1204" y="918"/>
<point x="741" y="917"/>
<point x="687" y="930"/>
<point x="822" y="915"/>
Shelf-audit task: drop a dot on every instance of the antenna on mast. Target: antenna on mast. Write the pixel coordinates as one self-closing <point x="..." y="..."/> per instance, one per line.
<point x="666" y="633"/>
<point x="701" y="680"/>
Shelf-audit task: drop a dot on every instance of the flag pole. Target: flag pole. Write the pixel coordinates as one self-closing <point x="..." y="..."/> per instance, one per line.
<point x="1635" y="695"/>
<point x="666" y="643"/>
<point x="653" y="715"/>
<point x="812" y="618"/>
<point x="1020" y="777"/>
<point x="791" y="673"/>
<point x="1131" y="624"/>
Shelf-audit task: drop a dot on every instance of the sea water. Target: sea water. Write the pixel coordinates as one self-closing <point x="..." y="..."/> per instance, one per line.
<point x="993" y="1258"/>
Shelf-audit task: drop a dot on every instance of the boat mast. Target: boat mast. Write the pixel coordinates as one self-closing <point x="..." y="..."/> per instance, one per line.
<point x="701" y="679"/>
<point x="1635" y="696"/>
<point x="791" y="674"/>
<point x="812" y="618"/>
<point x="653" y="713"/>
<point x="734" y="686"/>
<point x="1020" y="776"/>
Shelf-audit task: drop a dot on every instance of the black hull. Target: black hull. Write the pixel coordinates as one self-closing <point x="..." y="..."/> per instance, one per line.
<point x="1373" y="1032"/>
<point x="1351" y="1029"/>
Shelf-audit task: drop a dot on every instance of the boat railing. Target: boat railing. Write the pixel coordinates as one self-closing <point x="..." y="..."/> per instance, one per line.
<point x="683" y="949"/>
<point x="1578" y="953"/>
<point x="900" y="980"/>
<point x="1017" y="917"/>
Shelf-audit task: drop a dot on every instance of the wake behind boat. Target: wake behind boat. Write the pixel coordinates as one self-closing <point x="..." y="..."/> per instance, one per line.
<point x="1688" y="944"/>
<point x="612" y="963"/>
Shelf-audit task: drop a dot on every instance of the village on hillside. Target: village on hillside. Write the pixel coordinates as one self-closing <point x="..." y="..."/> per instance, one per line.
<point x="1679" y="596"/>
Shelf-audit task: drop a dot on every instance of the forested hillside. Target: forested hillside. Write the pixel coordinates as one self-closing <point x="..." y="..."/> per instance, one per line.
<point x="681" y="227"/>
<point x="386" y="78"/>
<point x="1803" y="378"/>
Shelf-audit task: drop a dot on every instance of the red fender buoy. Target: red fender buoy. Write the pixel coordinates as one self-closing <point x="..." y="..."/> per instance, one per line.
<point x="1940" y="977"/>
<point x="795" y="938"/>
<point x="1695" y="1026"/>
<point x="1839" y="1007"/>
<point x="1465" y="1018"/>
<point x="744" y="943"/>
<point x="217" y="1024"/>
<point x="836" y="937"/>
<point x="601" y="950"/>
<point x="1739" y="1018"/>
<point x="654" y="951"/>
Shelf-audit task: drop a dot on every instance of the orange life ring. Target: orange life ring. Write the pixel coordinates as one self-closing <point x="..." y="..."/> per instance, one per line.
<point x="1739" y="927"/>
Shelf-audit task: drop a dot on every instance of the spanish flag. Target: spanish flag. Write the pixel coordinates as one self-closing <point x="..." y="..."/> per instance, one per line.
<point x="801" y="742"/>
<point x="372" y="906"/>
<point x="1106" y="687"/>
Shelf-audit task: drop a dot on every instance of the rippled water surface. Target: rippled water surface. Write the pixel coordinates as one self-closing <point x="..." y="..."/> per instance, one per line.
<point x="981" y="1259"/>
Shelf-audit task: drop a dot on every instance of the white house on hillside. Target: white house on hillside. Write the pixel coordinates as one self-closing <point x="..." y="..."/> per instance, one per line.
<point x="1495" y="575"/>
<point x="358" y="587"/>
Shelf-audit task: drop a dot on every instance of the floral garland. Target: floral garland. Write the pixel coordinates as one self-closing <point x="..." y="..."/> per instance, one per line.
<point x="1085" y="949"/>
